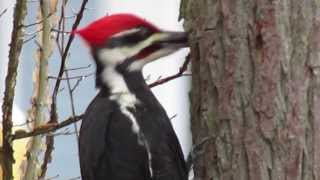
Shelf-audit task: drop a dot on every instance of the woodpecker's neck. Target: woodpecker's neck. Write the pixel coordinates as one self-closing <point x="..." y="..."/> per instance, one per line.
<point x="117" y="80"/>
<point x="122" y="84"/>
<point x="113" y="80"/>
<point x="134" y="81"/>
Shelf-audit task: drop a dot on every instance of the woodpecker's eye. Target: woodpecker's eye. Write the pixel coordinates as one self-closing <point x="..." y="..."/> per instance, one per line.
<point x="129" y="38"/>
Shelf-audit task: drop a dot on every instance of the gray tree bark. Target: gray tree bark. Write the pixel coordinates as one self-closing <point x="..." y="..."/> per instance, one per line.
<point x="255" y="88"/>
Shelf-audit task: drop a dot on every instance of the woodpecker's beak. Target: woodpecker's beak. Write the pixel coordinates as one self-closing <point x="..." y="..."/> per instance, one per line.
<point x="174" y="40"/>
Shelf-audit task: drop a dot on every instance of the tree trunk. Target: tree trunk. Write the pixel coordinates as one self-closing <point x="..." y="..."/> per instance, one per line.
<point x="255" y="83"/>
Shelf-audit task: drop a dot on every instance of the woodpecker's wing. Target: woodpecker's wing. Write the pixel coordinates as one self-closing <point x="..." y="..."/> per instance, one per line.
<point x="168" y="157"/>
<point x="108" y="148"/>
<point x="176" y="148"/>
<point x="92" y="132"/>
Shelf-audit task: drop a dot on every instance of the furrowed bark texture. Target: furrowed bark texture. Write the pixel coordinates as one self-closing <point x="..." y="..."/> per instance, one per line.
<point x="256" y="80"/>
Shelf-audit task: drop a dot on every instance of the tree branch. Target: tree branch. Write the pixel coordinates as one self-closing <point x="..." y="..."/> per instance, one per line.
<point x="39" y="22"/>
<point x="65" y="53"/>
<point x="73" y="77"/>
<point x="182" y="69"/>
<point x="46" y="128"/>
<point x="197" y="150"/>
<point x="38" y="110"/>
<point x="70" y="90"/>
<point x="3" y="12"/>
<point x="20" y="12"/>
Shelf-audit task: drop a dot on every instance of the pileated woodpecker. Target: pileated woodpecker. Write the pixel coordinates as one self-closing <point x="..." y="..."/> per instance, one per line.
<point x="125" y="133"/>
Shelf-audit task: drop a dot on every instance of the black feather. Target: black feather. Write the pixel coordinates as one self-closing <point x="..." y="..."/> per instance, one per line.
<point x="109" y="149"/>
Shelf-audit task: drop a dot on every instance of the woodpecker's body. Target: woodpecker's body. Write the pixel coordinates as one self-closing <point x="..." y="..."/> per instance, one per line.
<point x="125" y="133"/>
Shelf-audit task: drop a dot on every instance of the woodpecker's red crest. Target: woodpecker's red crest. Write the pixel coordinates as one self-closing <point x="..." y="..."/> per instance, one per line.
<point x="98" y="32"/>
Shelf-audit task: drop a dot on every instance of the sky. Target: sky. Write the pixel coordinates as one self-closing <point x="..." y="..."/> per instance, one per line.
<point x="172" y="95"/>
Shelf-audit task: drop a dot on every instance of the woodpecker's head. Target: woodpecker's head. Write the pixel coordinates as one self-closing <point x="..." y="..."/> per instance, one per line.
<point x="129" y="42"/>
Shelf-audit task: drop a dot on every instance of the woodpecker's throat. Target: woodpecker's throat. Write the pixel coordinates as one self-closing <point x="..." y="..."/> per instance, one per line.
<point x="118" y="85"/>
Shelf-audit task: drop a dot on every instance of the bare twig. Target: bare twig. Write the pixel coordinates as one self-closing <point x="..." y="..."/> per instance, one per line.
<point x="29" y="39"/>
<point x="67" y="133"/>
<point x="78" y="68"/>
<point x="70" y="90"/>
<point x="39" y="22"/>
<point x="46" y="128"/>
<point x="53" y="114"/>
<point x="23" y="124"/>
<point x="147" y="78"/>
<point x="60" y="31"/>
<point x="174" y="116"/>
<point x="197" y="150"/>
<point x="73" y="77"/>
<point x="47" y="155"/>
<point x="61" y="89"/>
<point x="3" y="12"/>
<point x="182" y="69"/>
<point x="64" y="52"/>
<point x="70" y="17"/>
<point x="20" y="12"/>
<point x="76" y="84"/>
<point x="33" y="33"/>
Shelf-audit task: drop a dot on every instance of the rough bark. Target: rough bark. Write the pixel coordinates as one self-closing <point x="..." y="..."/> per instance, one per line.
<point x="16" y="43"/>
<point x="255" y="88"/>
<point x="40" y="91"/>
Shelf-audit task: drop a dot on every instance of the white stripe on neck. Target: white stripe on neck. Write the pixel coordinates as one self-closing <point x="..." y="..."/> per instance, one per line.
<point x="125" y="99"/>
<point x="121" y="94"/>
<point x="114" y="80"/>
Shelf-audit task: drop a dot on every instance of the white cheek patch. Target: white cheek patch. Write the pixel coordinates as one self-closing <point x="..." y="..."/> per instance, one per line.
<point x="114" y="56"/>
<point x="111" y="57"/>
<point x="138" y="64"/>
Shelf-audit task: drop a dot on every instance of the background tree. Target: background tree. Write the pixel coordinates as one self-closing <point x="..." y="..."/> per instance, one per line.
<point x="255" y="67"/>
<point x="49" y="31"/>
